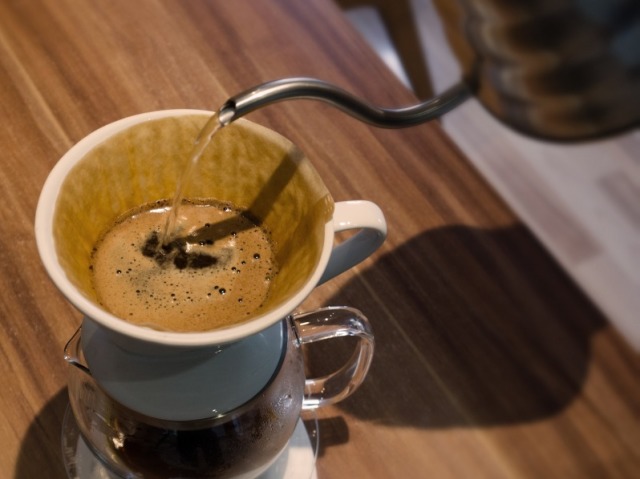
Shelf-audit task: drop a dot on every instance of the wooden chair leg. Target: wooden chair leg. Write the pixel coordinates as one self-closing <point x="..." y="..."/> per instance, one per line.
<point x="398" y="18"/>
<point x="399" y="21"/>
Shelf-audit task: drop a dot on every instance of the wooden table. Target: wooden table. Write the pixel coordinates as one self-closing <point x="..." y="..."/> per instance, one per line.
<point x="489" y="362"/>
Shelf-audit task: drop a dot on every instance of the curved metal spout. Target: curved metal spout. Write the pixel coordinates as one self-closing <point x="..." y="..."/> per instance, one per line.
<point x="313" y="89"/>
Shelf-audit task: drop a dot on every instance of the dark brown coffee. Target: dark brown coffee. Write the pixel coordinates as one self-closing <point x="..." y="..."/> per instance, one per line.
<point x="232" y="448"/>
<point x="214" y="271"/>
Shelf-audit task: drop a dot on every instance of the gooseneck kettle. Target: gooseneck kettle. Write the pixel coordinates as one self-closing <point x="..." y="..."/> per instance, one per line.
<point x="564" y="70"/>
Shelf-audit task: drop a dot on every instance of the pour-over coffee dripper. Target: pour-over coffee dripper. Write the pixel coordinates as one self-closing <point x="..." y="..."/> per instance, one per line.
<point x="143" y="397"/>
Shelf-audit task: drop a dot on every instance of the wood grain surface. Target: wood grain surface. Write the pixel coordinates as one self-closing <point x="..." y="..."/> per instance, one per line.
<point x="490" y="363"/>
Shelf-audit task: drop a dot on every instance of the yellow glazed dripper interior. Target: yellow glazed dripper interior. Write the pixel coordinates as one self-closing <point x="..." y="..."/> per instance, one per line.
<point x="246" y="164"/>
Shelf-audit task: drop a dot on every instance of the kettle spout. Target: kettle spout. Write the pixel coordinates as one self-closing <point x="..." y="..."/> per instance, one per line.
<point x="313" y="89"/>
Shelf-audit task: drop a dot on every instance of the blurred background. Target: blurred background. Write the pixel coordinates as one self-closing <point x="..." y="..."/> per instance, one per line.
<point x="581" y="200"/>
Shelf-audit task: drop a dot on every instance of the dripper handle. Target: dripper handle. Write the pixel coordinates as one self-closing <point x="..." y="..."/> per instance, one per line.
<point x="328" y="323"/>
<point x="368" y="219"/>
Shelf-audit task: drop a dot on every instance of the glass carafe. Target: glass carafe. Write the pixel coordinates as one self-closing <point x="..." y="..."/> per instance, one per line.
<point x="241" y="443"/>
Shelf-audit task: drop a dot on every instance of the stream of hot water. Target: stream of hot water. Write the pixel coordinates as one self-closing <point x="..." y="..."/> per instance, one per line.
<point x="204" y="138"/>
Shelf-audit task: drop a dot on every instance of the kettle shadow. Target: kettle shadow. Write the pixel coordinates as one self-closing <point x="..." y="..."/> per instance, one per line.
<point x="463" y="338"/>
<point x="43" y="431"/>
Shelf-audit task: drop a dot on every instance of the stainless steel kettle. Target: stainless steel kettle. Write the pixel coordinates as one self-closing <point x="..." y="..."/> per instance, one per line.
<point x="563" y="70"/>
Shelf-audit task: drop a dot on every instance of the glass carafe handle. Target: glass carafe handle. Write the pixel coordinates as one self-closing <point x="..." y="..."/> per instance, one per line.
<point x="328" y="323"/>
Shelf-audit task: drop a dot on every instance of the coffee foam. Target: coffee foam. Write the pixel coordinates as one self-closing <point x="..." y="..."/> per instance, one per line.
<point x="216" y="274"/>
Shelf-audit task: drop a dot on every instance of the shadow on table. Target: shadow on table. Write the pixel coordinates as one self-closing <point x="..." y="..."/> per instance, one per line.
<point x="44" y="432"/>
<point x="473" y="328"/>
